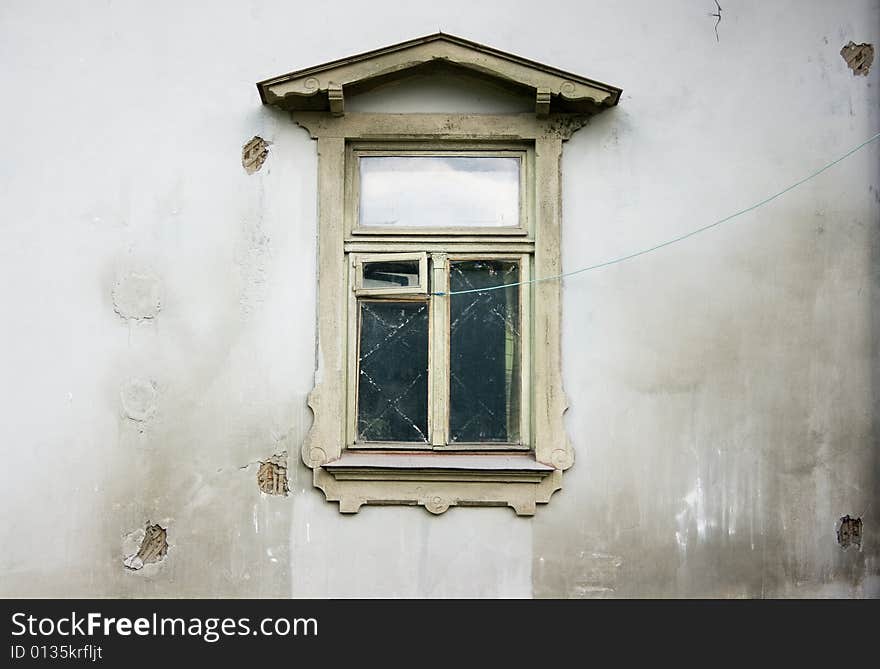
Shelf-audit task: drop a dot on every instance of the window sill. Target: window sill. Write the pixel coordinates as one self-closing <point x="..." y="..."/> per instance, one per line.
<point x="437" y="480"/>
<point x="438" y="467"/>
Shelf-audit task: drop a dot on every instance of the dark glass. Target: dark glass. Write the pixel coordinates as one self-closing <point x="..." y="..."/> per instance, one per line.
<point x="393" y="371"/>
<point x="484" y="348"/>
<point x="391" y="274"/>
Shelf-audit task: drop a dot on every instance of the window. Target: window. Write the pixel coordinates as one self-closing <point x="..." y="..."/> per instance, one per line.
<point x="439" y="375"/>
<point x="432" y="370"/>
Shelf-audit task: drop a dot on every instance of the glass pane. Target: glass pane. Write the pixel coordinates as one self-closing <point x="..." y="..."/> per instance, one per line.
<point x="395" y="274"/>
<point x="393" y="371"/>
<point x="484" y="348"/>
<point x="439" y="191"/>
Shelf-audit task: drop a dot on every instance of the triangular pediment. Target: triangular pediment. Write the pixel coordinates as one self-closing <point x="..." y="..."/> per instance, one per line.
<point x="324" y="87"/>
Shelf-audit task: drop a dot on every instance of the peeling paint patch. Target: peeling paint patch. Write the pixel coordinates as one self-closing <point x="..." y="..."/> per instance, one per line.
<point x="137" y="296"/>
<point x="272" y="475"/>
<point x="598" y="577"/>
<point x="858" y="57"/>
<point x="254" y="154"/>
<point x="139" y="399"/>
<point x="850" y="532"/>
<point x="153" y="547"/>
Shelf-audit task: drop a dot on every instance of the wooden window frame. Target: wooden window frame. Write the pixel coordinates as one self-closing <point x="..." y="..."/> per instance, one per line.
<point x="355" y="150"/>
<point x="564" y="102"/>
<point x="438" y="353"/>
<point x="361" y="259"/>
<point x="440" y="477"/>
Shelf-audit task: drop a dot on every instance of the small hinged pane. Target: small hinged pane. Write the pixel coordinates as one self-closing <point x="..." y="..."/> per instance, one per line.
<point x="391" y="274"/>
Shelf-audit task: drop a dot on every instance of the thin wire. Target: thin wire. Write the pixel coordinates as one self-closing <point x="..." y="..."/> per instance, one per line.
<point x="674" y="240"/>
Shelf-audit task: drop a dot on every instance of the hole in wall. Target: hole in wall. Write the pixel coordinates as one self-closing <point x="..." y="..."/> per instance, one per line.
<point x="858" y="57"/>
<point x="254" y="154"/>
<point x="850" y="532"/>
<point x="153" y="547"/>
<point x="272" y="475"/>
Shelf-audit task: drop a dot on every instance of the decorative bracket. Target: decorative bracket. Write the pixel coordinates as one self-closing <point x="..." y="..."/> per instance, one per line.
<point x="336" y="99"/>
<point x="542" y="101"/>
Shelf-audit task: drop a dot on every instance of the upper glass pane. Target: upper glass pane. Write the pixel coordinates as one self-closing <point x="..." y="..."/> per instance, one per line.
<point x="439" y="191"/>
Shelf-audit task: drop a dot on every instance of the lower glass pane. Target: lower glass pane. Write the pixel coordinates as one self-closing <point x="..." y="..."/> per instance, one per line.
<point x="484" y="348"/>
<point x="393" y="371"/>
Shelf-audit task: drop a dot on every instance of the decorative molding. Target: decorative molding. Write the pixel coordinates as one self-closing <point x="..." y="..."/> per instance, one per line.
<point x="436" y="496"/>
<point x="542" y="101"/>
<point x="564" y="126"/>
<point x="556" y="90"/>
<point x="326" y="437"/>
<point x="551" y="440"/>
<point x="440" y="127"/>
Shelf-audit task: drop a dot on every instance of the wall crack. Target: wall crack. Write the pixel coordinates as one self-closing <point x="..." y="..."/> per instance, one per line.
<point x="717" y="16"/>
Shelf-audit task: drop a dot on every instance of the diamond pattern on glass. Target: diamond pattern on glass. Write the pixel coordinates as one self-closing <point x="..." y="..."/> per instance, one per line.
<point x="485" y="361"/>
<point x="393" y="371"/>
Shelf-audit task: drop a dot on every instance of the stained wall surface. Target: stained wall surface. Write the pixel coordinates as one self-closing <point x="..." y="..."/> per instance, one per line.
<point x="159" y="302"/>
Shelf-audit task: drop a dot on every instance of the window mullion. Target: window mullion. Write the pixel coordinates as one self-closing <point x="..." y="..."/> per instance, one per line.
<point x="439" y="351"/>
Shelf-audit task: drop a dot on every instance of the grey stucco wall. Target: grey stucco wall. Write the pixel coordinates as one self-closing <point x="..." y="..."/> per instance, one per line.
<point x="724" y="391"/>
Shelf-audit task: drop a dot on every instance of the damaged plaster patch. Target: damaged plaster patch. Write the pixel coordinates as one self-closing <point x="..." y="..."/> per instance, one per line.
<point x="139" y="399"/>
<point x="137" y="296"/>
<point x="850" y="532"/>
<point x="153" y="546"/>
<point x="254" y="154"/>
<point x="599" y="575"/>
<point x="859" y="57"/>
<point x="272" y="475"/>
